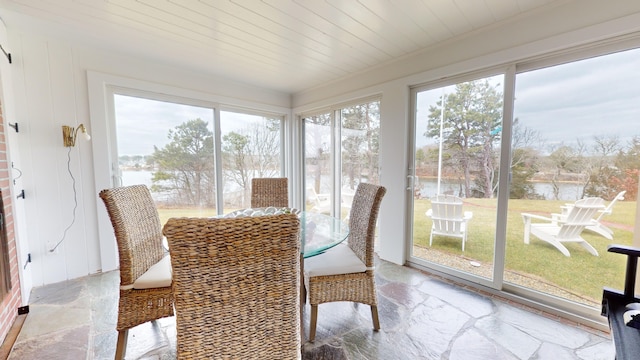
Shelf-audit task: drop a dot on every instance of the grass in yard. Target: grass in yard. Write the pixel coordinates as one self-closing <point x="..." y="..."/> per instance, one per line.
<point x="167" y="213"/>
<point x="581" y="273"/>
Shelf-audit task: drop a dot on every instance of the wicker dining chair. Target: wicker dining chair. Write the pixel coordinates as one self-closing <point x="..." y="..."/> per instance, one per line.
<point x="269" y="192"/>
<point x="237" y="286"/>
<point x="145" y="271"/>
<point x="345" y="272"/>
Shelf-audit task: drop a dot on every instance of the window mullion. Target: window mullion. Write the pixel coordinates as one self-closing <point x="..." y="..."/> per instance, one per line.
<point x="337" y="162"/>
<point x="217" y="143"/>
<point x="504" y="176"/>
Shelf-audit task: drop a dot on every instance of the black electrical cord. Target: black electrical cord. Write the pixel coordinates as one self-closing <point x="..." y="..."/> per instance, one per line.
<point x="75" y="201"/>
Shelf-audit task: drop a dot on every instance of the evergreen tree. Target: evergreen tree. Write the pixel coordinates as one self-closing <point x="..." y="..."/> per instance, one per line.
<point x="471" y="126"/>
<point x="185" y="166"/>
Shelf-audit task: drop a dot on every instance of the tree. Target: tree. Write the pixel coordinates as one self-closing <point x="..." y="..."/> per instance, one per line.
<point x="253" y="151"/>
<point x="489" y="113"/>
<point x="601" y="169"/>
<point x="265" y="148"/>
<point x="521" y="172"/>
<point x="471" y="125"/>
<point x="564" y="161"/>
<point x="524" y="161"/>
<point x="185" y="166"/>
<point x="235" y="151"/>
<point x="124" y="159"/>
<point x="360" y="142"/>
<point x="628" y="181"/>
<point x="317" y="145"/>
<point x="629" y="156"/>
<point x="628" y="163"/>
<point x="420" y="158"/>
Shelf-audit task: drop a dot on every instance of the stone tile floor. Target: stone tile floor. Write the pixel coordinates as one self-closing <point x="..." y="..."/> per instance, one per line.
<point x="422" y="317"/>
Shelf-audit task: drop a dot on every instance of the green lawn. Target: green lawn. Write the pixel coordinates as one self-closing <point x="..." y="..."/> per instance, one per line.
<point x="581" y="273"/>
<point x="166" y="213"/>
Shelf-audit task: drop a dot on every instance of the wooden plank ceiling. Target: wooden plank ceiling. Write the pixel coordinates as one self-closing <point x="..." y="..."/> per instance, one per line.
<point x="284" y="45"/>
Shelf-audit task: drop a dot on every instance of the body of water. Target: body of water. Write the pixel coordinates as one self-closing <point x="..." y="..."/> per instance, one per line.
<point x="137" y="177"/>
<point x="143" y="177"/>
<point x="233" y="193"/>
<point x="568" y="191"/>
<point x="428" y="187"/>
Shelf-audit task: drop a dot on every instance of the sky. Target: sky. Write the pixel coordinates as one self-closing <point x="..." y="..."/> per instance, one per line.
<point x="143" y="123"/>
<point x="579" y="100"/>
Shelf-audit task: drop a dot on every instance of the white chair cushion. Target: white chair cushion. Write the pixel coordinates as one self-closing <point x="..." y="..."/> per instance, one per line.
<point x="159" y="275"/>
<point x="337" y="260"/>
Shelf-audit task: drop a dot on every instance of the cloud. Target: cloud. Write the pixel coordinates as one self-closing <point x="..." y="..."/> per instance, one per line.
<point x="143" y="123"/>
<point x="578" y="100"/>
<point x="582" y="99"/>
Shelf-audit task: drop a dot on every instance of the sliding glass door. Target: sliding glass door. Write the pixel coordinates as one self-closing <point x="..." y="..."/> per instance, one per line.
<point x="575" y="136"/>
<point x="573" y="171"/>
<point x="458" y="128"/>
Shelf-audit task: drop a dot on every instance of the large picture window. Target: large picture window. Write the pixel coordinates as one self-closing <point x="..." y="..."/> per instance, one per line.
<point x="251" y="147"/>
<point x="197" y="152"/>
<point x="179" y="161"/>
<point x="575" y="136"/>
<point x="457" y="142"/>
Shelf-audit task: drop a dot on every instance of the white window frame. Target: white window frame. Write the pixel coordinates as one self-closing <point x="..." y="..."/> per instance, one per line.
<point x="101" y="89"/>
<point x="503" y="190"/>
<point x="335" y="112"/>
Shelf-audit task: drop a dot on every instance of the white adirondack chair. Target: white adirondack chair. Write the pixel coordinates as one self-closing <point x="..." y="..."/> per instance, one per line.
<point x="569" y="229"/>
<point x="321" y="203"/>
<point x="597" y="226"/>
<point x="448" y="218"/>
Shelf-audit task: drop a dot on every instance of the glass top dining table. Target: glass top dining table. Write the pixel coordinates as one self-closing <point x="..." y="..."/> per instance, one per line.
<point x="318" y="232"/>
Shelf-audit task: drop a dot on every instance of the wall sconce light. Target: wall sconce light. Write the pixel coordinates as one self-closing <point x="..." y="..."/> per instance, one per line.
<point x="69" y="134"/>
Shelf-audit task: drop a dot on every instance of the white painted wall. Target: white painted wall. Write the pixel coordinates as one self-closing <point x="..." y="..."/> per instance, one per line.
<point x="50" y="88"/>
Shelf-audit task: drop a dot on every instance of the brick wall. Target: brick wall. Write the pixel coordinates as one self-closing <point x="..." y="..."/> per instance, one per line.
<point x="11" y="302"/>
